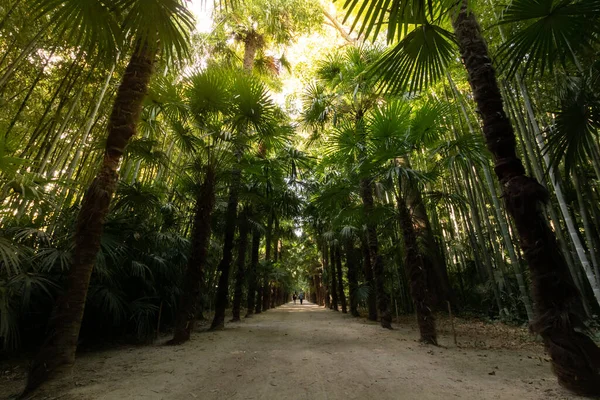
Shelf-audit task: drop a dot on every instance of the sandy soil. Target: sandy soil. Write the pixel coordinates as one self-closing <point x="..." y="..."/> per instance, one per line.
<point x="306" y="352"/>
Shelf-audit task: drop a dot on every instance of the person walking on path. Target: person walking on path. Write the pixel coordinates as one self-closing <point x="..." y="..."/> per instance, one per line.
<point x="294" y="297"/>
<point x="301" y="297"/>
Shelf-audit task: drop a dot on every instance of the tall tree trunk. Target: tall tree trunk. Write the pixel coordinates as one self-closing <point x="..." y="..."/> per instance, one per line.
<point x="194" y="276"/>
<point x="340" y="282"/>
<point x="252" y="42"/>
<point x="333" y="279"/>
<point x="259" y="298"/>
<point x="266" y="290"/>
<point x="58" y="352"/>
<point x="243" y="227"/>
<point x="221" y="299"/>
<point x="575" y="357"/>
<point x="368" y="271"/>
<point x="432" y="257"/>
<point x="325" y="275"/>
<point x="351" y="275"/>
<point x="266" y="294"/>
<point x="383" y="300"/>
<point x="417" y="275"/>
<point x="274" y="292"/>
<point x="252" y="281"/>
<point x="314" y="290"/>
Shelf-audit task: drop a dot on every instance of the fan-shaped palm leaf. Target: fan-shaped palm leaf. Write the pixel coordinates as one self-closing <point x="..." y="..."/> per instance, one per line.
<point x="159" y="22"/>
<point x="417" y="61"/>
<point x="549" y="32"/>
<point x="91" y="24"/>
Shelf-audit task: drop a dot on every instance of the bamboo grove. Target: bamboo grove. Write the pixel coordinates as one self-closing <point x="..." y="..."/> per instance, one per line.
<point x="438" y="155"/>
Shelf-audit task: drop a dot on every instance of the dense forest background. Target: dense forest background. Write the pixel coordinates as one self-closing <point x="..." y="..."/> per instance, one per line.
<point x="159" y="170"/>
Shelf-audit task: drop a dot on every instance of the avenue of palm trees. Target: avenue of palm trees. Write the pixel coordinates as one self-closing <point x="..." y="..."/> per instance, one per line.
<point x="384" y="157"/>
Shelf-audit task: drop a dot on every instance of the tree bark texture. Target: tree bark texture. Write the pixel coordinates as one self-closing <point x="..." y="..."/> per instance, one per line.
<point x="368" y="271"/>
<point x="314" y="290"/>
<point x="243" y="228"/>
<point x="333" y="278"/>
<point x="383" y="300"/>
<point x="252" y="281"/>
<point x="252" y="42"/>
<point x="438" y="280"/>
<point x="194" y="276"/>
<point x="575" y="357"/>
<point x="325" y="275"/>
<point x="340" y="281"/>
<point x="266" y="290"/>
<point x="57" y="354"/>
<point x="259" y="297"/>
<point x="351" y="275"/>
<point x="417" y="275"/>
<point x="266" y="294"/>
<point x="221" y="299"/>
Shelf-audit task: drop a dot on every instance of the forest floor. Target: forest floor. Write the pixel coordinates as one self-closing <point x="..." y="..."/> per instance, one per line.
<point x="307" y="352"/>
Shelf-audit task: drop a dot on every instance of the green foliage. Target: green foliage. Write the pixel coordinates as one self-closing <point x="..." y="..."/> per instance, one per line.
<point x="549" y="34"/>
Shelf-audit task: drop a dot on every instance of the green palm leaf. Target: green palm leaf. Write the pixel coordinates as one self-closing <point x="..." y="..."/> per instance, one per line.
<point x="253" y="109"/>
<point x="549" y="33"/>
<point x="425" y="125"/>
<point x="576" y="125"/>
<point x="416" y="61"/>
<point x="159" y="22"/>
<point x="91" y="24"/>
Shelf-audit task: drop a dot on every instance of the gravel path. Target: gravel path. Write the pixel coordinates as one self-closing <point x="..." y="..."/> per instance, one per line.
<point x="306" y="352"/>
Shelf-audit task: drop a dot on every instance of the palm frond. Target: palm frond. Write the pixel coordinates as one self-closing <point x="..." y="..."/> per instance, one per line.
<point x="91" y="24"/>
<point x="417" y="61"/>
<point x="549" y="33"/>
<point x="164" y="23"/>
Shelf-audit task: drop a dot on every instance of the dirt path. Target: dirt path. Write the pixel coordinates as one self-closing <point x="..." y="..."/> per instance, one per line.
<point x="306" y="352"/>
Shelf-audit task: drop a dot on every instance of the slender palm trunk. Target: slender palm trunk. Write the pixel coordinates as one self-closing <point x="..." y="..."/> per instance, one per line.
<point x="417" y="274"/>
<point x="351" y="275"/>
<point x="368" y="271"/>
<point x="432" y="258"/>
<point x="58" y="352"/>
<point x="319" y="289"/>
<point x="340" y="282"/>
<point x="194" y="275"/>
<point x="383" y="300"/>
<point x="241" y="265"/>
<point x="333" y="279"/>
<point x="221" y="299"/>
<point x="266" y="289"/>
<point x="252" y="273"/>
<point x="326" y="272"/>
<point x="252" y="42"/>
<point x="575" y="357"/>
<point x="259" y="297"/>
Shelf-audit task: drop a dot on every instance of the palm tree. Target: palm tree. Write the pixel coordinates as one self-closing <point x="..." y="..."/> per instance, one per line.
<point x="254" y="117"/>
<point x="265" y="24"/>
<point x="574" y="355"/>
<point x="252" y="273"/>
<point x="240" y="276"/>
<point x="261" y="17"/>
<point x="152" y="27"/>
<point x="393" y="134"/>
<point x="344" y="89"/>
<point x="208" y="107"/>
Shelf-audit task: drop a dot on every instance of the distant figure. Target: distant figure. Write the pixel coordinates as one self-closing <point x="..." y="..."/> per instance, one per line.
<point x="301" y="297"/>
<point x="294" y="297"/>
